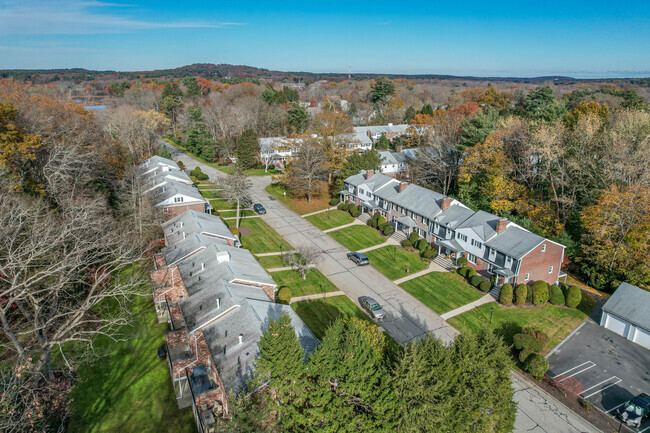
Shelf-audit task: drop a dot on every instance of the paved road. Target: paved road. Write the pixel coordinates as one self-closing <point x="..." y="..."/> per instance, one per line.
<point x="407" y="318"/>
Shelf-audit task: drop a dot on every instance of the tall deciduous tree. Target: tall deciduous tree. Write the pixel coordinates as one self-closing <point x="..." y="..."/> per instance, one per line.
<point x="308" y="169"/>
<point x="235" y="188"/>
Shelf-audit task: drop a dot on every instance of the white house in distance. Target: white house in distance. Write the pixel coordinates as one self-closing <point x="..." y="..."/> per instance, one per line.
<point x="627" y="312"/>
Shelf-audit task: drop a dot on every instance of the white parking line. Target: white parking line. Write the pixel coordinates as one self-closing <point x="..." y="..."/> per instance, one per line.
<point x="602" y="389"/>
<point x="616" y="407"/>
<point x="574" y="374"/>
<point x="647" y="428"/>
<point x="571" y="369"/>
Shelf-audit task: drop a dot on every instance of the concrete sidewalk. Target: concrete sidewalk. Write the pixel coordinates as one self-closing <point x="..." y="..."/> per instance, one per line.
<point x="317" y="296"/>
<point x="275" y="253"/>
<point x="356" y="222"/>
<point x="286" y="268"/>
<point x="319" y="211"/>
<point x="433" y="267"/>
<point x="460" y="310"/>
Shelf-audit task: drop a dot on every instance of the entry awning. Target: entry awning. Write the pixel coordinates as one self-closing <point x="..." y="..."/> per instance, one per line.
<point x="406" y="221"/>
<point x="452" y="244"/>
<point x="345" y="192"/>
<point x="369" y="205"/>
<point x="505" y="272"/>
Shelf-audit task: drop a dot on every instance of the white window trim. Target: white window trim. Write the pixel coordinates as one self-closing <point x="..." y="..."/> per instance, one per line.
<point x="550" y="269"/>
<point x="543" y="248"/>
<point x="469" y="258"/>
<point x="527" y="277"/>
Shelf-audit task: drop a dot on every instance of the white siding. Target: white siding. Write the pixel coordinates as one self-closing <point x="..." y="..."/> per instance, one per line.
<point x="617" y="324"/>
<point x="642" y="337"/>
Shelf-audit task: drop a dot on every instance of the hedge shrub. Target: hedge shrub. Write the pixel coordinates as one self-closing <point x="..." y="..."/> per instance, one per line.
<point x="520" y="294"/>
<point x="430" y="254"/>
<point x="341" y="206"/>
<point x="334" y="201"/>
<point x="355" y="212"/>
<point x="537" y="333"/>
<point x="524" y="354"/>
<point x="573" y="296"/>
<point x="529" y="295"/>
<point x="587" y="304"/>
<point x="284" y="296"/>
<point x="372" y="223"/>
<point x="539" y="291"/>
<point x="461" y="261"/>
<point x="196" y="171"/>
<point x="406" y="243"/>
<point x="476" y="280"/>
<point x="471" y="273"/>
<point x="505" y="297"/>
<point x="202" y="176"/>
<point x="485" y="286"/>
<point x="194" y="179"/>
<point x="413" y="237"/>
<point x="422" y="245"/>
<point x="556" y="295"/>
<point x="463" y="271"/>
<point x="536" y="365"/>
<point x="381" y="220"/>
<point x="525" y="341"/>
<point x="388" y="230"/>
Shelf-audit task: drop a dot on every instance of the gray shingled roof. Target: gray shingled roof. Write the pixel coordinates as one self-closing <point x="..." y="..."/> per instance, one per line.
<point x="179" y="247"/>
<point x="422" y="201"/>
<point x="453" y="216"/>
<point x="381" y="129"/>
<point x="157" y="160"/>
<point x="158" y="176"/>
<point x="630" y="303"/>
<point x="235" y="361"/>
<point x="515" y="241"/>
<point x="193" y="222"/>
<point x="484" y="224"/>
<point x="171" y="188"/>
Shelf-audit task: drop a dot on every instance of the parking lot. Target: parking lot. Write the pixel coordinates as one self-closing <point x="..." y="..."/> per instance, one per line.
<point x="602" y="367"/>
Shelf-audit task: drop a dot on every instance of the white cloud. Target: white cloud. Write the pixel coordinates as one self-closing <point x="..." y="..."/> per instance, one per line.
<point x="69" y="17"/>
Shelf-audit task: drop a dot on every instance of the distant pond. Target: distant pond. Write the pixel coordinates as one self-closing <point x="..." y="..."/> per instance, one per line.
<point x="94" y="107"/>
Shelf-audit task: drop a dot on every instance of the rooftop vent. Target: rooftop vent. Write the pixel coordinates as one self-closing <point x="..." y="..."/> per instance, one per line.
<point x="223" y="256"/>
<point x="241" y="338"/>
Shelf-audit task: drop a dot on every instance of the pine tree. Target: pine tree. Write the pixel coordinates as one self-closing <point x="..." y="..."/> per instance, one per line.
<point x="382" y="143"/>
<point x="298" y="117"/>
<point x="427" y="109"/>
<point x="247" y="149"/>
<point x="477" y="128"/>
<point x="409" y="114"/>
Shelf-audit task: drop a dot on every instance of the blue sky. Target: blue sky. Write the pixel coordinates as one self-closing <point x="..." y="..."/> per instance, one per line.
<point x="509" y="38"/>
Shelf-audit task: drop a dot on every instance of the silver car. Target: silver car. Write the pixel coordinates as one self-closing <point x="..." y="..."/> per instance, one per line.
<point x="373" y="307"/>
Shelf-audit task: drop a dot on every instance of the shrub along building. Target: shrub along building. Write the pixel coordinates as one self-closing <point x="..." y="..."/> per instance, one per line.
<point x="492" y="245"/>
<point x="218" y="301"/>
<point x="169" y="188"/>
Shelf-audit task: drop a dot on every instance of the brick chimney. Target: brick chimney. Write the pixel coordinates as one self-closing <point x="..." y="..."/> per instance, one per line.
<point x="399" y="148"/>
<point x="370" y="173"/>
<point x="501" y="224"/>
<point x="445" y="203"/>
<point x="402" y="186"/>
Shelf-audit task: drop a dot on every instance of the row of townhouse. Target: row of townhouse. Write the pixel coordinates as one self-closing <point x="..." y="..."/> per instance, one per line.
<point x="169" y="188"/>
<point x="492" y="245"/>
<point x="397" y="164"/>
<point x="217" y="300"/>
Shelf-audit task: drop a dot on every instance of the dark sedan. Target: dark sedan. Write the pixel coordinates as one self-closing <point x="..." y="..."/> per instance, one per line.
<point x="259" y="209"/>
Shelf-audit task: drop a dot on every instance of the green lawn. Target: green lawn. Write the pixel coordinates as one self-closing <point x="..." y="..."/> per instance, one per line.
<point x="319" y="314"/>
<point x="329" y="219"/>
<point x="222" y="204"/>
<point x="233" y="213"/>
<point x="269" y="262"/>
<point x="441" y="291"/>
<point x="252" y="171"/>
<point x="556" y="321"/>
<point x="394" y="268"/>
<point x="299" y="205"/>
<point x="312" y="285"/>
<point x="262" y="239"/>
<point x="357" y="237"/>
<point x="209" y="193"/>
<point x="130" y="389"/>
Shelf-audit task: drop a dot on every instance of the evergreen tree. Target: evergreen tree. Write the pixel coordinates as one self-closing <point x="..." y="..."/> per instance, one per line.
<point x="409" y="114"/>
<point x="382" y="143"/>
<point x="477" y="128"/>
<point x="248" y="149"/>
<point x="427" y="109"/>
<point x="298" y="117"/>
<point x="280" y="366"/>
<point x="192" y="89"/>
<point x="381" y="90"/>
<point x="370" y="160"/>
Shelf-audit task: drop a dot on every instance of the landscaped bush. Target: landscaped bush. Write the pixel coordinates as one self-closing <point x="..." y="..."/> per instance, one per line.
<point x="194" y="179"/>
<point x="422" y="245"/>
<point x="557" y="297"/>
<point x="564" y="288"/>
<point x="525" y="341"/>
<point x="529" y="295"/>
<point x="471" y="273"/>
<point x="539" y="291"/>
<point x="430" y="254"/>
<point x="388" y="230"/>
<point x="284" y="296"/>
<point x="202" y="176"/>
<point x="462" y="261"/>
<point x="524" y="354"/>
<point x="381" y="220"/>
<point x="505" y="297"/>
<point x="342" y="206"/>
<point x="587" y="304"/>
<point x="372" y="223"/>
<point x="382" y="226"/>
<point x="196" y="171"/>
<point x="520" y="294"/>
<point x="484" y="286"/>
<point x="180" y="165"/>
<point x="463" y="271"/>
<point x="476" y="280"/>
<point x="573" y="296"/>
<point x="334" y="201"/>
<point x="413" y="237"/>
<point x="537" y="333"/>
<point x="376" y="216"/>
<point x="406" y="243"/>
<point x="536" y="365"/>
<point x="355" y="212"/>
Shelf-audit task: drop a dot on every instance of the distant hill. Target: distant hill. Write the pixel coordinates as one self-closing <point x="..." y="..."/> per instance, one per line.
<point x="226" y="71"/>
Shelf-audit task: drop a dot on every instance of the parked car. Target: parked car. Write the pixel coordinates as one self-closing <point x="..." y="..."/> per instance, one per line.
<point x="259" y="209"/>
<point x="247" y="201"/>
<point x="369" y="304"/>
<point x="633" y="411"/>
<point x="358" y="258"/>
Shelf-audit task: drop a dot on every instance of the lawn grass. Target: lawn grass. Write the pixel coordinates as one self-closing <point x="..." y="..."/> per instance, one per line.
<point x="209" y="193"/>
<point x="298" y="205"/>
<point x="252" y="171"/>
<point x="329" y="219"/>
<point x="233" y="213"/>
<point x="394" y="268"/>
<point x="263" y="238"/>
<point x="555" y="321"/>
<point x="441" y="292"/>
<point x="357" y="237"/>
<point x="319" y="314"/>
<point x="312" y="285"/>
<point x="269" y="262"/>
<point x="222" y="204"/>
<point x="130" y="389"/>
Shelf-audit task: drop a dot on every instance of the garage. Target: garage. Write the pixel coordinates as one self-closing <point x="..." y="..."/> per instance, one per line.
<point x="627" y="312"/>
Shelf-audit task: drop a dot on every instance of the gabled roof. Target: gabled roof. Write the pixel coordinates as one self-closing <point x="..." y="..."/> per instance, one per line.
<point x="235" y="361"/>
<point x="515" y="241"/>
<point x="422" y="201"/>
<point x="484" y="224"/>
<point x="359" y="137"/>
<point x="193" y="222"/>
<point x="171" y="188"/>
<point x="630" y="303"/>
<point x="183" y="245"/>
<point x="158" y="175"/>
<point x="453" y="216"/>
<point x="381" y="129"/>
<point x="158" y="160"/>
